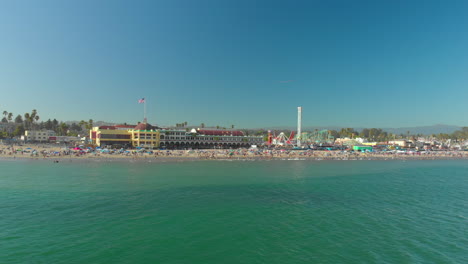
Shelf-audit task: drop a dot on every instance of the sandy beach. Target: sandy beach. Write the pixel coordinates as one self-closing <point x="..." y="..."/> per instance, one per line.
<point x="56" y="153"/>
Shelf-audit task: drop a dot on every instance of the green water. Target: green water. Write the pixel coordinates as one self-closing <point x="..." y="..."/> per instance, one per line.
<point x="234" y="212"/>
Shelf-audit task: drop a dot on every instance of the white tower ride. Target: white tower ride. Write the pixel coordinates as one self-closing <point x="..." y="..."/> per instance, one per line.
<point x="299" y="125"/>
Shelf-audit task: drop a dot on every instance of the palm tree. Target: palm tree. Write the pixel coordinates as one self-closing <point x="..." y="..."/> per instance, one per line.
<point x="26" y="120"/>
<point x="5" y="113"/>
<point x="63" y="129"/>
<point x="32" y="117"/>
<point x="82" y="124"/>
<point x="19" y="119"/>
<point x="202" y="125"/>
<point x="10" y="117"/>
<point x="90" y="124"/>
<point x="55" y="124"/>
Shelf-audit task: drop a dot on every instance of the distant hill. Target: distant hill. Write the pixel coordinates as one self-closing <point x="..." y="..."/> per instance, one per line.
<point x="95" y="123"/>
<point x="425" y="130"/>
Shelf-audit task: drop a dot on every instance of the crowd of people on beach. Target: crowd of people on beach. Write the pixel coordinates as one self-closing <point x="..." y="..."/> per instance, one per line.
<point x="50" y="151"/>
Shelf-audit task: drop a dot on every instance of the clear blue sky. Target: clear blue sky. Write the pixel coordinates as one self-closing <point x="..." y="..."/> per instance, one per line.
<point x="249" y="63"/>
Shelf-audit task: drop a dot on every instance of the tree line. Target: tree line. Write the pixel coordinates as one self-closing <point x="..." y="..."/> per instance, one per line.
<point x="30" y="121"/>
<point x="458" y="135"/>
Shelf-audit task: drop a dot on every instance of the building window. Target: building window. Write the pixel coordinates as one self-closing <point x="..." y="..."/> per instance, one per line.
<point x="110" y="136"/>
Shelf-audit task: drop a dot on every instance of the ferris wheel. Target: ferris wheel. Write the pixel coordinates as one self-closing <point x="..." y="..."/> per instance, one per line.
<point x="283" y="140"/>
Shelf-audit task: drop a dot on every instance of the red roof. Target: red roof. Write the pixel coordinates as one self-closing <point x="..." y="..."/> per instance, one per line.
<point x="144" y="126"/>
<point x="236" y="133"/>
<point x="125" y="126"/>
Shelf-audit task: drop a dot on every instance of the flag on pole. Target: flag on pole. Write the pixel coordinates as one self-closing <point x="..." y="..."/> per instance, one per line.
<point x="142" y="100"/>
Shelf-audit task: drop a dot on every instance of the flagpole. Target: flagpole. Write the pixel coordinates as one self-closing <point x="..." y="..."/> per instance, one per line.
<point x="144" y="120"/>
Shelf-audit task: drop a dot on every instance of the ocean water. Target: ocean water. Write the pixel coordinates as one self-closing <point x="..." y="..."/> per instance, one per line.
<point x="234" y="212"/>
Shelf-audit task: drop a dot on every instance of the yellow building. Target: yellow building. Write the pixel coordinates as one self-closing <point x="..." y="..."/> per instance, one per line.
<point x="142" y="135"/>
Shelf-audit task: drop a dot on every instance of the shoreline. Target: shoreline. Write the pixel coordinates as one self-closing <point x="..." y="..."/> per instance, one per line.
<point x="147" y="159"/>
<point x="58" y="154"/>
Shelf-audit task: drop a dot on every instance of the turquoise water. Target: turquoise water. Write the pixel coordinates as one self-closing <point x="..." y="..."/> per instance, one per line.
<point x="234" y="212"/>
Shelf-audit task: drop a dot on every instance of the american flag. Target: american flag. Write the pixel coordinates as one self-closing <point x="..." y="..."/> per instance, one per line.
<point x="142" y="100"/>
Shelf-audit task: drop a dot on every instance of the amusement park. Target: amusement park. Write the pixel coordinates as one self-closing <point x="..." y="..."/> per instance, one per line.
<point x="299" y="139"/>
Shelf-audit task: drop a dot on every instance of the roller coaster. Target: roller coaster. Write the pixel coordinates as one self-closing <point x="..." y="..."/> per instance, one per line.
<point x="302" y="139"/>
<point x="317" y="137"/>
<point x="306" y="138"/>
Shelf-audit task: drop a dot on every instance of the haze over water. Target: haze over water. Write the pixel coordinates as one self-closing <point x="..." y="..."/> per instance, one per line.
<point x="234" y="212"/>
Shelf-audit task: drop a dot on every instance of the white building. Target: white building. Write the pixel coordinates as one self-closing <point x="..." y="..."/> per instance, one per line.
<point x="38" y="135"/>
<point x="401" y="142"/>
<point x="207" y="138"/>
<point x="350" y="141"/>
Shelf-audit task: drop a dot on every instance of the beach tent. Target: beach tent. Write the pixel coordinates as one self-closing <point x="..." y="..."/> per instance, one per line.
<point x="362" y="148"/>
